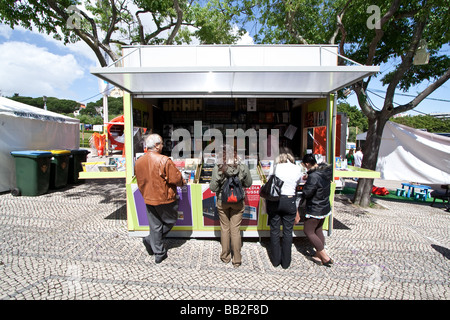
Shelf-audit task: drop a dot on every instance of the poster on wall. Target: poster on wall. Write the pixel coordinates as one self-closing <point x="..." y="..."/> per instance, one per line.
<point x="184" y="206"/>
<point x="209" y="211"/>
<point x="211" y="215"/>
<point x="250" y="217"/>
<point x="315" y="119"/>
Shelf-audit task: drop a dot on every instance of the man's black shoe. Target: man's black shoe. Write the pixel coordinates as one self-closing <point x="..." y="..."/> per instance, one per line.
<point x="160" y="258"/>
<point x="148" y="247"/>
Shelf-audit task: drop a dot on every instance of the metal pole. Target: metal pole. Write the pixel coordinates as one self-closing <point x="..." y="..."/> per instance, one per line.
<point x="105" y="121"/>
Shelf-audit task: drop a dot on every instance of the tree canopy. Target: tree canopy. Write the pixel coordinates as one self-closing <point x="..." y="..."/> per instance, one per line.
<point x="62" y="106"/>
<point x="426" y="122"/>
<point x="106" y="25"/>
<point x="355" y="116"/>
<point x="67" y="107"/>
<point x="389" y="31"/>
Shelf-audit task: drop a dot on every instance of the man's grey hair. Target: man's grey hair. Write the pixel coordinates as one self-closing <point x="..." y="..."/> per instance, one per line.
<point x="152" y="140"/>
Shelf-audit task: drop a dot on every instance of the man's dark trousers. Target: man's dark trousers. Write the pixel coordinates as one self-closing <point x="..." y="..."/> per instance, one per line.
<point x="161" y="219"/>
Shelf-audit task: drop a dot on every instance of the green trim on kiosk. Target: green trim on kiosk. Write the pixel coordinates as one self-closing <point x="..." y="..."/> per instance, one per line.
<point x="101" y="175"/>
<point x="356" y="172"/>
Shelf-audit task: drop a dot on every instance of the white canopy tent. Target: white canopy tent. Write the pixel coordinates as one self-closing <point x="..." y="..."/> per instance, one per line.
<point x="408" y="154"/>
<point x="23" y="127"/>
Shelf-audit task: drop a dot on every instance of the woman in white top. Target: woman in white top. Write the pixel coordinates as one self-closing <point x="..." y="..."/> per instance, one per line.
<point x="358" y="157"/>
<point x="283" y="212"/>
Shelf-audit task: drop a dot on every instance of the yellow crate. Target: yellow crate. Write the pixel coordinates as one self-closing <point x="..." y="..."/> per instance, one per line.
<point x="92" y="166"/>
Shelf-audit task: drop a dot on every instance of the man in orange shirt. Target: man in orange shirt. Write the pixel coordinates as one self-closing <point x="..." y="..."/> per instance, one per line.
<point x="157" y="178"/>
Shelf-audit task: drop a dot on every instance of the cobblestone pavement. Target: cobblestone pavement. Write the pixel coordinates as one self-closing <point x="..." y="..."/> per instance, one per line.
<point x="73" y="244"/>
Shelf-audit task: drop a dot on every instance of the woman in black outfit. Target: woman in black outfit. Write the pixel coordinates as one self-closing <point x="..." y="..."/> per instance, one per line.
<point x="282" y="212"/>
<point x="316" y="193"/>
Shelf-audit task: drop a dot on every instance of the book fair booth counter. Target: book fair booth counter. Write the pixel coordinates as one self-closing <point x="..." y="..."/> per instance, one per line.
<point x="261" y="99"/>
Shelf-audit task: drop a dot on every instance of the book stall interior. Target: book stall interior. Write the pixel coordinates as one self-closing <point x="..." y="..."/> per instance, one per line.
<point x="298" y="130"/>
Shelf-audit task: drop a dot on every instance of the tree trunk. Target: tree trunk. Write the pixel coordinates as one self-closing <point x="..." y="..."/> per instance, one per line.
<point x="370" y="152"/>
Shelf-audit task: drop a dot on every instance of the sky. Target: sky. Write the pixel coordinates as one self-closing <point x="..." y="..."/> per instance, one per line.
<point x="35" y="65"/>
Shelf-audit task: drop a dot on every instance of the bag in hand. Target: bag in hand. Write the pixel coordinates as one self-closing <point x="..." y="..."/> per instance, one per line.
<point x="271" y="190"/>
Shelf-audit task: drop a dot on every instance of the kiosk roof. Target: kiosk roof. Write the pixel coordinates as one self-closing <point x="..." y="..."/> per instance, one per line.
<point x="232" y="71"/>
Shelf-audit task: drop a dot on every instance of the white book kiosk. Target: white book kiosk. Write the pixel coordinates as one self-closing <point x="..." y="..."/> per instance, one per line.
<point x="282" y="94"/>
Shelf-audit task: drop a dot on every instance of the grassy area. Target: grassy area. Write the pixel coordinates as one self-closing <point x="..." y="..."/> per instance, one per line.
<point x="391" y="196"/>
<point x="84" y="143"/>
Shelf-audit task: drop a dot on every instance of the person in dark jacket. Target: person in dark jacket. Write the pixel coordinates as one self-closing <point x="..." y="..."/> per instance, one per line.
<point x="316" y="194"/>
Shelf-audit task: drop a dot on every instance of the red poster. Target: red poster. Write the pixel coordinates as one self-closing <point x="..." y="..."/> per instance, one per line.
<point x="210" y="214"/>
<point x="250" y="216"/>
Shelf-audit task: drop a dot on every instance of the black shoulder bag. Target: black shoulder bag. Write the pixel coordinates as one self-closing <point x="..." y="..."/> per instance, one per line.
<point x="271" y="190"/>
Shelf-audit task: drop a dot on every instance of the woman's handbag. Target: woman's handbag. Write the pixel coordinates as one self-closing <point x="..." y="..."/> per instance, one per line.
<point x="271" y="190"/>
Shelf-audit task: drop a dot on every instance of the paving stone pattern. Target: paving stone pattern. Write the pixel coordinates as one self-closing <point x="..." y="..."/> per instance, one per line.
<point x="73" y="243"/>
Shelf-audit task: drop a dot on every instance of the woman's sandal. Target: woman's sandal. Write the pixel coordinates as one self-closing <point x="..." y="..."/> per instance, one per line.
<point x="316" y="261"/>
<point x="328" y="263"/>
<point x="320" y="263"/>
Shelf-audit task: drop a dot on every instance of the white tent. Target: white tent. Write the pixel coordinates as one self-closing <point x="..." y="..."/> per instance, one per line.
<point x="413" y="155"/>
<point x="23" y="127"/>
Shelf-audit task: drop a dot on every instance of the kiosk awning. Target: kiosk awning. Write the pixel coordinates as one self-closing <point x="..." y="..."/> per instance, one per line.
<point x="232" y="71"/>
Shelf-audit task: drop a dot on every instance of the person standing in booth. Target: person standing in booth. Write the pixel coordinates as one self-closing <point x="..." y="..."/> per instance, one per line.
<point x="358" y="157"/>
<point x="157" y="179"/>
<point x="230" y="214"/>
<point x="316" y="193"/>
<point x="283" y="212"/>
<point x="350" y="157"/>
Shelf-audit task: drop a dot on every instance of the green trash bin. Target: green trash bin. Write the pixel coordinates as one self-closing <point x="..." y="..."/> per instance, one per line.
<point x="59" y="172"/>
<point x="77" y="156"/>
<point x="32" y="172"/>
